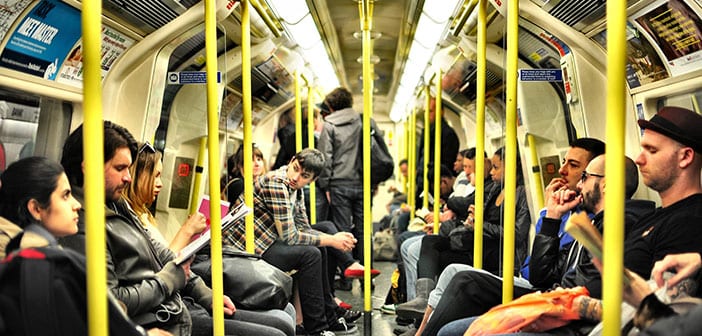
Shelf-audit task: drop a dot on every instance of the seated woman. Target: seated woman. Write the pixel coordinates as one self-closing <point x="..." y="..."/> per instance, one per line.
<point x="36" y="195"/>
<point x="146" y="184"/>
<point x="232" y="184"/>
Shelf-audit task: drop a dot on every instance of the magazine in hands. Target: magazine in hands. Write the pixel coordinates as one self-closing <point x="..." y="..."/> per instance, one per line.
<point x="580" y="227"/>
<point x="237" y="213"/>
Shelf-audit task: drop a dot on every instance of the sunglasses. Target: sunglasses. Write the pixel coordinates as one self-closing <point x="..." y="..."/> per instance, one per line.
<point x="146" y="146"/>
<point x="585" y="175"/>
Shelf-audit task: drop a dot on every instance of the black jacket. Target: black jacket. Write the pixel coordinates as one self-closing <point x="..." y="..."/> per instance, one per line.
<point x="570" y="267"/>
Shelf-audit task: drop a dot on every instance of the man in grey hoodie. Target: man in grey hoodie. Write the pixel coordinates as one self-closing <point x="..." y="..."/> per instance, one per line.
<point x="340" y="179"/>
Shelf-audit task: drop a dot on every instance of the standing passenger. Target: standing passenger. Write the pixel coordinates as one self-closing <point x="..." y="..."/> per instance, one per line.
<point x="449" y="147"/>
<point x="340" y="179"/>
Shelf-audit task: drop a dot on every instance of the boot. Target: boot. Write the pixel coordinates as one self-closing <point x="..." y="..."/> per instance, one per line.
<point x="415" y="308"/>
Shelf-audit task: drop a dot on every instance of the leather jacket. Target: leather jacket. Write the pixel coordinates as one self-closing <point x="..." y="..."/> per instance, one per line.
<point x="140" y="271"/>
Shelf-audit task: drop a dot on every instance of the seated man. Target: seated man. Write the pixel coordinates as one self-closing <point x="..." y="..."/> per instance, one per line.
<point x="670" y="163"/>
<point x="285" y="239"/>
<point x="141" y="272"/>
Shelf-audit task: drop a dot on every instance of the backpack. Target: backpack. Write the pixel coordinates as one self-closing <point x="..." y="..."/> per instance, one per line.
<point x="42" y="292"/>
<point x="381" y="165"/>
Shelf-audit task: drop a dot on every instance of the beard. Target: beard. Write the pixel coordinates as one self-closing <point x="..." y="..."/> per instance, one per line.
<point x="592" y="198"/>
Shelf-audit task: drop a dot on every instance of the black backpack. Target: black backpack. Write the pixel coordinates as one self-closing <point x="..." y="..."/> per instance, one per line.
<point x="42" y="292"/>
<point x="382" y="165"/>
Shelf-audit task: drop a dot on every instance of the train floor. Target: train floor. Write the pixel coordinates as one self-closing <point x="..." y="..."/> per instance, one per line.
<point x="381" y="323"/>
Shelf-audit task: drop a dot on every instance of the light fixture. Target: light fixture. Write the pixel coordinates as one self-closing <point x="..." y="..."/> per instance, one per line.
<point x="300" y="27"/>
<point x="373" y="35"/>
<point x="430" y="28"/>
<point x="374" y="59"/>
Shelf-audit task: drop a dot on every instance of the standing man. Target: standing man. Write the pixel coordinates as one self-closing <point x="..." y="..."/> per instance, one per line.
<point x="449" y="147"/>
<point x="285" y="239"/>
<point x="340" y="178"/>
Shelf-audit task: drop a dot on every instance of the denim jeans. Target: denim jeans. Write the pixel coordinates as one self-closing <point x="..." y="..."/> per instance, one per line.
<point x="409" y="251"/>
<point x="318" y="307"/>
<point x="346" y="210"/>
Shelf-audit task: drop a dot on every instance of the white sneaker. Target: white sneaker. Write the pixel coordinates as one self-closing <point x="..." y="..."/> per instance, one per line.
<point x="388" y="309"/>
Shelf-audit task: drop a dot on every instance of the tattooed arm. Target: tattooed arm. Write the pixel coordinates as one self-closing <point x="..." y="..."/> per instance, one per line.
<point x="588" y="308"/>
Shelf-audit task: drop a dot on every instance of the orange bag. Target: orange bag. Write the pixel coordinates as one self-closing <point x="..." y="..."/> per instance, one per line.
<point x="534" y="312"/>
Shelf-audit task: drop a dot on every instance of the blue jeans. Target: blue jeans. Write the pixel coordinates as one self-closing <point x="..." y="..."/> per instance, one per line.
<point x="346" y="210"/>
<point x="459" y="327"/>
<point x="409" y="251"/>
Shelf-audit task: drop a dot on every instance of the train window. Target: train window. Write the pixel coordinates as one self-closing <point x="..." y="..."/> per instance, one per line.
<point x="19" y="120"/>
<point x="691" y="100"/>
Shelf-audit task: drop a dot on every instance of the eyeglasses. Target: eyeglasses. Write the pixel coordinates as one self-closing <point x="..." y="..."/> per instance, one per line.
<point x="146" y="146"/>
<point x="585" y="175"/>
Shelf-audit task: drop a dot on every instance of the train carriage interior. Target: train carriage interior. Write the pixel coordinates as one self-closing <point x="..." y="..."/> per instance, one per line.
<point x="153" y="69"/>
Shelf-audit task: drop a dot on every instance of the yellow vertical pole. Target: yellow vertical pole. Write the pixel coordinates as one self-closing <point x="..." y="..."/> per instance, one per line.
<point x="536" y="171"/>
<point x="311" y="144"/>
<point x="408" y="148"/>
<point x="94" y="170"/>
<point x="614" y="167"/>
<point x="366" y="12"/>
<point x="437" y="152"/>
<point x="213" y="159"/>
<point x="480" y="137"/>
<point x="246" y="104"/>
<point x="298" y="113"/>
<point x="412" y="164"/>
<point x="195" y="197"/>
<point x="425" y="179"/>
<point x="510" y="178"/>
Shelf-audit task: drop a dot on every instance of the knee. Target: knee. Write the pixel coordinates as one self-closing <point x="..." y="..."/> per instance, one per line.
<point x="311" y="254"/>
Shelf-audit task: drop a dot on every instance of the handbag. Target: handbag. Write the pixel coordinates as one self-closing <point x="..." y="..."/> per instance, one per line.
<point x="534" y="312"/>
<point x="384" y="245"/>
<point x="249" y="281"/>
<point x="382" y="165"/>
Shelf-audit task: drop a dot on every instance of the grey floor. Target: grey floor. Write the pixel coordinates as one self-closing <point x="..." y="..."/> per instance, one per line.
<point x="381" y="324"/>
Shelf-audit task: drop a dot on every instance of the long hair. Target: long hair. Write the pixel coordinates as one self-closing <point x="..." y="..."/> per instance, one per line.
<point x="139" y="193"/>
<point x="235" y="163"/>
<point x="29" y="178"/>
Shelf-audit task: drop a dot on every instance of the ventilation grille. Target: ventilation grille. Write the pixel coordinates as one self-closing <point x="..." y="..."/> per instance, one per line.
<point x="572" y="12"/>
<point x="147" y="15"/>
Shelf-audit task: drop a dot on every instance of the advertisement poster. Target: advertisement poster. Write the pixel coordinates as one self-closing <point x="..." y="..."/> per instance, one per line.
<point x="676" y="29"/>
<point x="9" y="11"/>
<point x="643" y="65"/>
<point x="42" y="39"/>
<point x="114" y="44"/>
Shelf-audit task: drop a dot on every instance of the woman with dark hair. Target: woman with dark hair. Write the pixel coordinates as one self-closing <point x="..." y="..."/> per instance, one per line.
<point x="232" y="183"/>
<point x="36" y="196"/>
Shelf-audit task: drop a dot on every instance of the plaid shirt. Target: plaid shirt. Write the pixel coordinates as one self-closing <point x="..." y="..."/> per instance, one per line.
<point x="275" y="204"/>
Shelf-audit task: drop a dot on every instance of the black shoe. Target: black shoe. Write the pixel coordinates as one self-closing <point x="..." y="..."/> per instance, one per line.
<point x="300" y="330"/>
<point x="403" y="321"/>
<point x="349" y="315"/>
<point x="340" y="327"/>
<point x="343" y="284"/>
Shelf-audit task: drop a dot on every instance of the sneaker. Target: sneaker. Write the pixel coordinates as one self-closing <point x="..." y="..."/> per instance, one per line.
<point x="339" y="327"/>
<point x="388" y="309"/>
<point x="349" y="315"/>
<point x="323" y="333"/>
